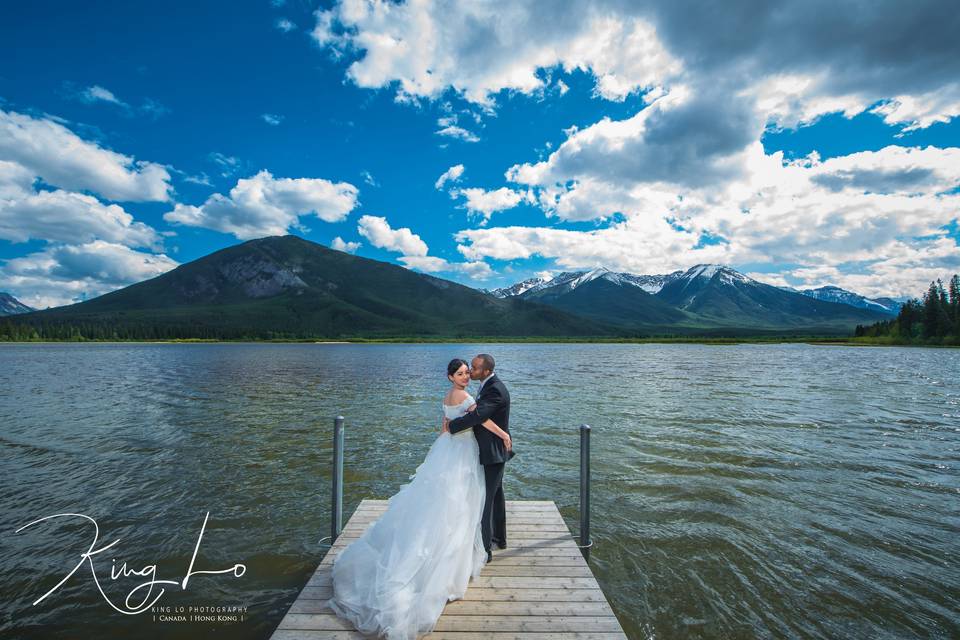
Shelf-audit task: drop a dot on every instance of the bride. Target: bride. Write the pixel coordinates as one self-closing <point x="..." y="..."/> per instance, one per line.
<point x="395" y="579"/>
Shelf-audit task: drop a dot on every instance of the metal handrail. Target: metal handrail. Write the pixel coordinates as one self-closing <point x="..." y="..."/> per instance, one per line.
<point x="336" y="501"/>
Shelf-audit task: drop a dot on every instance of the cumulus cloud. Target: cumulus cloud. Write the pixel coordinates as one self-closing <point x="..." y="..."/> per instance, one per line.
<point x="486" y="203"/>
<point x="807" y="59"/>
<point x="856" y="218"/>
<point x="263" y="205"/>
<point x="52" y="152"/>
<point x="450" y="175"/>
<point x="62" y="216"/>
<point x="476" y="270"/>
<point x="272" y="119"/>
<point x="685" y="177"/>
<point x="378" y="231"/>
<point x="347" y="247"/>
<point x="480" y="49"/>
<point x="63" y="274"/>
<point x="682" y="139"/>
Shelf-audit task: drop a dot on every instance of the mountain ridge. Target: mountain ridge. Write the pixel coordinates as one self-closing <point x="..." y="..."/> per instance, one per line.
<point x="289" y="286"/>
<point x="10" y="306"/>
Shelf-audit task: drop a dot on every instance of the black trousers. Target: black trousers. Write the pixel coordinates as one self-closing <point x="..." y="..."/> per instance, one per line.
<point x="493" y="520"/>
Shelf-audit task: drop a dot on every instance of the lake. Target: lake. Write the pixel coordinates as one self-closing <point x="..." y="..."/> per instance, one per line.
<point x="739" y="491"/>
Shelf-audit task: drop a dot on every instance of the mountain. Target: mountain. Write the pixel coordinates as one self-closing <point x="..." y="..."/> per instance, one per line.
<point x="724" y="296"/>
<point x="706" y="297"/>
<point x="573" y="279"/>
<point x="836" y="294"/>
<point x="11" y="306"/>
<point x="285" y="286"/>
<point x="517" y="289"/>
<point x="605" y="296"/>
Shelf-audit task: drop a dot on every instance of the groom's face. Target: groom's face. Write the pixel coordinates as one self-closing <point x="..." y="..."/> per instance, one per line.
<point x="477" y="372"/>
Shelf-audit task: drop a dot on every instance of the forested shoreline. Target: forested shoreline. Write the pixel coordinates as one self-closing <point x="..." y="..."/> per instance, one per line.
<point x="932" y="320"/>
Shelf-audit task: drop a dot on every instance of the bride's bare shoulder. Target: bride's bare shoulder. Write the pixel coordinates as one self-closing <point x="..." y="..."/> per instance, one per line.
<point x="454" y="397"/>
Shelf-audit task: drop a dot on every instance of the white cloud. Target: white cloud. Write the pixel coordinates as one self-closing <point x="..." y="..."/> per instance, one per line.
<point x="285" y="25"/>
<point x="862" y="215"/>
<point x="377" y="230"/>
<point x="96" y="93"/>
<point x="921" y="111"/>
<point x="450" y="175"/>
<point x="421" y="46"/>
<point x="347" y="247"/>
<point x="63" y="274"/>
<point x="229" y="165"/>
<point x="61" y="158"/>
<point x="272" y="119"/>
<point x="487" y="203"/>
<point x="369" y="179"/>
<point x="476" y="270"/>
<point x="687" y="168"/>
<point x="458" y="132"/>
<point x="263" y="205"/>
<point x="62" y="216"/>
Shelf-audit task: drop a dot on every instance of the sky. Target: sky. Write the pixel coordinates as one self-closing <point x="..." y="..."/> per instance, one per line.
<point x="803" y="144"/>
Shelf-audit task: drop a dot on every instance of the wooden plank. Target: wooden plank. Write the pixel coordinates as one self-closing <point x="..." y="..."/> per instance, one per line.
<point x="535" y="595"/>
<point x="484" y="608"/>
<point x="510" y="556"/>
<point x="546" y="571"/>
<point x="330" y="622"/>
<point x="480" y="593"/>
<point x="539" y="588"/>
<point x="521" y="635"/>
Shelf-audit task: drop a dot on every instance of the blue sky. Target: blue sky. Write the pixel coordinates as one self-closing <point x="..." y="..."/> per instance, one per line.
<point x="647" y="139"/>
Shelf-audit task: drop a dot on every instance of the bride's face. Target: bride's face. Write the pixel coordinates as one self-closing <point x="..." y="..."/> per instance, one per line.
<point x="461" y="377"/>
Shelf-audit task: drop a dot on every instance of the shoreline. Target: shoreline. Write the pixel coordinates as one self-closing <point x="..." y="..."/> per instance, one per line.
<point x="812" y="340"/>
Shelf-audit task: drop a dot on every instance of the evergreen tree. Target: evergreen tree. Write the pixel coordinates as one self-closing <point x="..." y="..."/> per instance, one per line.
<point x="955" y="304"/>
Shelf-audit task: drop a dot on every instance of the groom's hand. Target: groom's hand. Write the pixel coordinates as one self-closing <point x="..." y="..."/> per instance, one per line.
<point x="446" y="424"/>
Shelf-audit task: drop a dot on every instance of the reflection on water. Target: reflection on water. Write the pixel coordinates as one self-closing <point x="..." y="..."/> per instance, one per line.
<point x="787" y="491"/>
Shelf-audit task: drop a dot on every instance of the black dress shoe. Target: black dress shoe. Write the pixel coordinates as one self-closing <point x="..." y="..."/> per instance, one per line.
<point x="489" y="557"/>
<point x="500" y="543"/>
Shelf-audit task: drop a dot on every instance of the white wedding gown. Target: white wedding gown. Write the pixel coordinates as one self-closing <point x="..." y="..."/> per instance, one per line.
<point x="395" y="579"/>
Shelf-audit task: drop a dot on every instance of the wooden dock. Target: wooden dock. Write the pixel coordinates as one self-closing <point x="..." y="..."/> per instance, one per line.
<point x="539" y="587"/>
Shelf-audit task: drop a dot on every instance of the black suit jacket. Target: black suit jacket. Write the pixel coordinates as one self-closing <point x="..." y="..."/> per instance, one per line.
<point x="493" y="403"/>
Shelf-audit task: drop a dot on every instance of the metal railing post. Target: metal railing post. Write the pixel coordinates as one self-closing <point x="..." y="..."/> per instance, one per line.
<point x="585" y="542"/>
<point x="336" y="501"/>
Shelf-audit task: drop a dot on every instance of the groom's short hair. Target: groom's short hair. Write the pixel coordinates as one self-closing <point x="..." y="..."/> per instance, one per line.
<point x="487" y="360"/>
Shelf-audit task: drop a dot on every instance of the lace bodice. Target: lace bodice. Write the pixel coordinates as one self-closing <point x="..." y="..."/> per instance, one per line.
<point x="455" y="411"/>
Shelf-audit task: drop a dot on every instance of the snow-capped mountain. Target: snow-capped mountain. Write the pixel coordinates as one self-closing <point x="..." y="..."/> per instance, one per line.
<point x="703" y="295"/>
<point x="11" y="306"/>
<point x="836" y="294"/>
<point x="570" y="280"/>
<point x="518" y="288"/>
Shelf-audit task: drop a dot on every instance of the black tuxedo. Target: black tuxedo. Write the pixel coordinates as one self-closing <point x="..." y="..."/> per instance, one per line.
<point x="493" y="403"/>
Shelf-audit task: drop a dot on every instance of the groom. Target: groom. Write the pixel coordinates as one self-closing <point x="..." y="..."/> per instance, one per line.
<point x="493" y="402"/>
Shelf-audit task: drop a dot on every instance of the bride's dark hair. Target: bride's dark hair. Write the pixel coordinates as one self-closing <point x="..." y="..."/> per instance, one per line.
<point x="454" y="365"/>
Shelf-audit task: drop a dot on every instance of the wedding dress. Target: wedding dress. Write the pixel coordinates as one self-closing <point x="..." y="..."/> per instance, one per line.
<point x="395" y="579"/>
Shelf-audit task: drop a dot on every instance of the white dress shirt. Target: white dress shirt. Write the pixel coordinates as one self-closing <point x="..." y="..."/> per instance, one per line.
<point x="483" y="382"/>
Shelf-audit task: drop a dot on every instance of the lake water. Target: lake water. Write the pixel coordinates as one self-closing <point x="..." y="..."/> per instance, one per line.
<point x="788" y="491"/>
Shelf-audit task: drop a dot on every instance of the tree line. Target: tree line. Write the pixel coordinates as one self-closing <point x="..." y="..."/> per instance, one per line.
<point x="934" y="319"/>
<point x="106" y="330"/>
